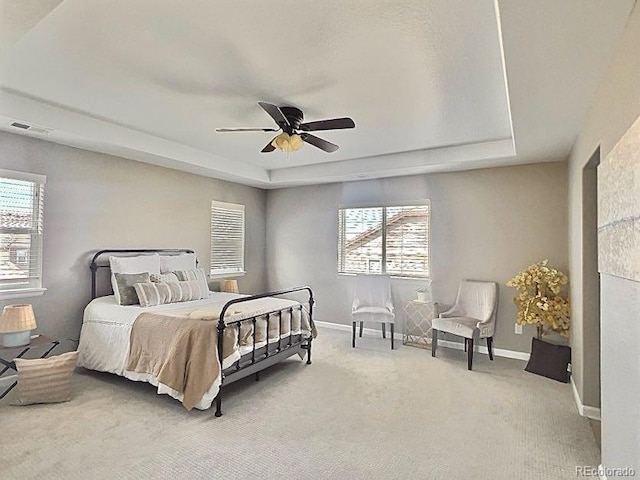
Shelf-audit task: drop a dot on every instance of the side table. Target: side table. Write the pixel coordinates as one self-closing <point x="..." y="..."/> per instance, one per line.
<point x="41" y="341"/>
<point x="417" y="325"/>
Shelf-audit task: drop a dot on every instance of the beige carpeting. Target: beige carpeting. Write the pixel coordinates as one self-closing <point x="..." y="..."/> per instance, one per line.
<point x="367" y="413"/>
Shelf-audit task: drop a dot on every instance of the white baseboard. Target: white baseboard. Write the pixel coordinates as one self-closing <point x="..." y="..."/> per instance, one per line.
<point x="585" y="410"/>
<point x="372" y="332"/>
<point x="366" y="332"/>
<point x="498" y="352"/>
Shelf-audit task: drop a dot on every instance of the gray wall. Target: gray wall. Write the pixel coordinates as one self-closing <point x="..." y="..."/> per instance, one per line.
<point x="615" y="107"/>
<point x="486" y="224"/>
<point x="95" y="201"/>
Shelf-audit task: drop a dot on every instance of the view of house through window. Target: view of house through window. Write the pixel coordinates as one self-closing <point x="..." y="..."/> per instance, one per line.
<point x="21" y="208"/>
<point x="392" y="240"/>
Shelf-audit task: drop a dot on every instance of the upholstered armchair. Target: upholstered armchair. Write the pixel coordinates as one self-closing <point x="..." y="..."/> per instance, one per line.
<point x="372" y="303"/>
<point x="472" y="317"/>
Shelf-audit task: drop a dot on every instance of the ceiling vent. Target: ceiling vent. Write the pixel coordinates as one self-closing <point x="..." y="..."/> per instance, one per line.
<point x="31" y="128"/>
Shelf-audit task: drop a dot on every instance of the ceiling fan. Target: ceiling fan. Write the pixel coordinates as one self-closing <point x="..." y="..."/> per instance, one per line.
<point x="294" y="132"/>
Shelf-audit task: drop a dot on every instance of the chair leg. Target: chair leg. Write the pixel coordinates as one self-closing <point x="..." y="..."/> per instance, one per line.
<point x="490" y="347"/>
<point x="353" y="336"/>
<point x="470" y="354"/>
<point x="391" y="326"/>
<point x="361" y="327"/>
<point x="218" y="404"/>
<point x="434" y="341"/>
<point x="465" y="343"/>
<point x="384" y="330"/>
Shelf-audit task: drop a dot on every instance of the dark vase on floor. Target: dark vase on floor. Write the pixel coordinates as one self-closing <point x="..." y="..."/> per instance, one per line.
<point x="549" y="360"/>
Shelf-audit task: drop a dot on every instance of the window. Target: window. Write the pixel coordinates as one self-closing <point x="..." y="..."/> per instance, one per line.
<point x="227" y="239"/>
<point x="392" y="240"/>
<point x="21" y="208"/>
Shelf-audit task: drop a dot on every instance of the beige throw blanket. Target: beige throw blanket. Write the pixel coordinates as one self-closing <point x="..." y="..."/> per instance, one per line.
<point x="180" y="348"/>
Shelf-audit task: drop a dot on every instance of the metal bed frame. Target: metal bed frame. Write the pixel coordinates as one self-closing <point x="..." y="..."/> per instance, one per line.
<point x="258" y="359"/>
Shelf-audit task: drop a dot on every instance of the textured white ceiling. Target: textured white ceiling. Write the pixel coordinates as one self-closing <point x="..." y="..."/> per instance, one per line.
<point x="423" y="80"/>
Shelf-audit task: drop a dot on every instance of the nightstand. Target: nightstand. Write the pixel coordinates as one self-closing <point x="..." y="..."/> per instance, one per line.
<point x="417" y="325"/>
<point x="7" y="354"/>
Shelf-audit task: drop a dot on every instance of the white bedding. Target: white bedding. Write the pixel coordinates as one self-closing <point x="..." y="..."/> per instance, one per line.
<point x="106" y="328"/>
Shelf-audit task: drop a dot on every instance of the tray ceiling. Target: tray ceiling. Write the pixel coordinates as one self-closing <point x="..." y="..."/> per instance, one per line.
<point x="432" y="85"/>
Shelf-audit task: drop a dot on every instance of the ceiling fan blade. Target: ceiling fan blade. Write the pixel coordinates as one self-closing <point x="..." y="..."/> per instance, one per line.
<point x="268" y="147"/>
<point x="319" y="142"/>
<point x="275" y="113"/>
<point x="330" y="124"/>
<point x="246" y="129"/>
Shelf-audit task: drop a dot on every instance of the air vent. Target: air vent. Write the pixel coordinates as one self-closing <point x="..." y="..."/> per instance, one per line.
<point x="31" y="128"/>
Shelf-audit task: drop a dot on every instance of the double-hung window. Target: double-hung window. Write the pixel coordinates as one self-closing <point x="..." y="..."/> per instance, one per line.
<point x="227" y="239"/>
<point x="385" y="240"/>
<point x="21" y="211"/>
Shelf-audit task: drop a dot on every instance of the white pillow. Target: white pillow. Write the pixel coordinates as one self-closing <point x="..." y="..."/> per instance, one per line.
<point x="138" y="264"/>
<point x="184" y="261"/>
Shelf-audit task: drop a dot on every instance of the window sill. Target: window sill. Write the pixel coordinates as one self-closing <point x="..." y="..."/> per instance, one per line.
<point x="21" y="293"/>
<point x="220" y="276"/>
<point x="393" y="277"/>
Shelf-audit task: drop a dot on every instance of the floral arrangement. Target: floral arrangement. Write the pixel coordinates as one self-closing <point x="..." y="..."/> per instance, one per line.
<point x="539" y="301"/>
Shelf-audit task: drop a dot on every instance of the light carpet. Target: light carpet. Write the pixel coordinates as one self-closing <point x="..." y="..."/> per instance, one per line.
<point x="365" y="413"/>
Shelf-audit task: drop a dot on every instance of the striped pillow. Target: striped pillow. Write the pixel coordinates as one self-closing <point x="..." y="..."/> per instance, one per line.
<point x="151" y="294"/>
<point x="45" y="380"/>
<point x="197" y="274"/>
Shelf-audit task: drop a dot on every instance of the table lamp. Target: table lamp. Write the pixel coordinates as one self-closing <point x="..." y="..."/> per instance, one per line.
<point x="230" y="286"/>
<point x="16" y="323"/>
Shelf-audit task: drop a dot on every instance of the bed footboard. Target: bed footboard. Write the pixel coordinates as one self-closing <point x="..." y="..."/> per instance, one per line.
<point x="259" y="360"/>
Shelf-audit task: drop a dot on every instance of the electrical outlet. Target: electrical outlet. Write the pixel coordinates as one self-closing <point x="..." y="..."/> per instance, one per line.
<point x="518" y="329"/>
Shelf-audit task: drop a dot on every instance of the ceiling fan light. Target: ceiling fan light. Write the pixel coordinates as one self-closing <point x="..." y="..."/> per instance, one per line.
<point x="288" y="143"/>
<point x="295" y="142"/>
<point x="281" y="141"/>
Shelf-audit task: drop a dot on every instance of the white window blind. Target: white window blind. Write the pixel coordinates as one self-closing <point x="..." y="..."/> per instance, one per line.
<point x="21" y="211"/>
<point x="391" y="240"/>
<point x="227" y="238"/>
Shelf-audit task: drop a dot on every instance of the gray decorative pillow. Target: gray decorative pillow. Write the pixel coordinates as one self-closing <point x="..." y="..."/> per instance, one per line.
<point x="45" y="380"/>
<point x="151" y="294"/>
<point x="125" y="283"/>
<point x="163" y="277"/>
<point x="197" y="274"/>
<point x="137" y="264"/>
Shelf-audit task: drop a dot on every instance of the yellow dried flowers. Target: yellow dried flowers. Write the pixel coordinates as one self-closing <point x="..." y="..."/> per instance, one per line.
<point x="538" y="299"/>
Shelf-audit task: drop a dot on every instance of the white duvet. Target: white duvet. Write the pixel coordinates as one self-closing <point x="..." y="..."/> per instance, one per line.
<point x="106" y="328"/>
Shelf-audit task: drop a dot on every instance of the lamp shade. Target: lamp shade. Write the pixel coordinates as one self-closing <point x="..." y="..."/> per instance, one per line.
<point x="230" y="286"/>
<point x="17" y="318"/>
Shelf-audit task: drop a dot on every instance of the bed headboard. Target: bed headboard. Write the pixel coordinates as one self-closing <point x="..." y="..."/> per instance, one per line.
<point x="101" y="260"/>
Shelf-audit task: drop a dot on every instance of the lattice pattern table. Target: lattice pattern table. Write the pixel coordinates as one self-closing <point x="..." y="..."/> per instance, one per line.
<point x="417" y="325"/>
